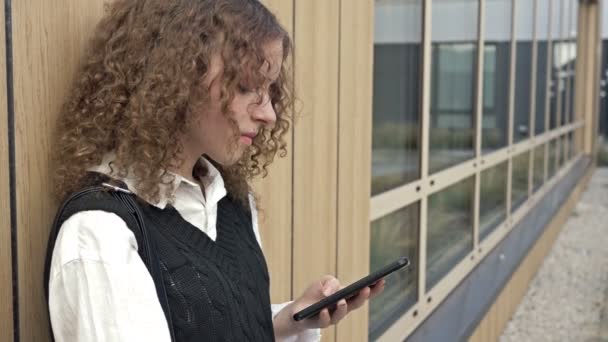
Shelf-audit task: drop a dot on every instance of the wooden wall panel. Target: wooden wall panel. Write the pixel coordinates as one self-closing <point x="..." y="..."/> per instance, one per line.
<point x="6" y="282"/>
<point x="315" y="147"/>
<point x="48" y="40"/>
<point x="354" y="154"/>
<point x="276" y="198"/>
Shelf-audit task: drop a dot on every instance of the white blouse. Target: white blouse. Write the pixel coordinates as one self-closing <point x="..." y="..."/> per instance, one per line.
<point x="100" y="289"/>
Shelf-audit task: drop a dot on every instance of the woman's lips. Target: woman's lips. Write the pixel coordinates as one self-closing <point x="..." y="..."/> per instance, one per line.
<point x="246" y="140"/>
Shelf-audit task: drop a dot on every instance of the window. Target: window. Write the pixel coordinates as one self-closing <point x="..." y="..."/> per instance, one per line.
<point x="449" y="232"/>
<point x="542" y="36"/>
<point x="396" y="94"/>
<point x="493" y="199"/>
<point x="393" y="236"/>
<point x="523" y="70"/>
<point x="539" y="168"/>
<point x="454" y="37"/>
<point x="519" y="190"/>
<point x="496" y="66"/>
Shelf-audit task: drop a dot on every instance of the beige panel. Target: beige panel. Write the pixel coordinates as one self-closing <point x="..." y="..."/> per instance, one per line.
<point x="590" y="59"/>
<point x="46" y="50"/>
<point x="315" y="147"/>
<point x="276" y="198"/>
<point x="354" y="155"/>
<point x="6" y="282"/>
<point x="507" y="302"/>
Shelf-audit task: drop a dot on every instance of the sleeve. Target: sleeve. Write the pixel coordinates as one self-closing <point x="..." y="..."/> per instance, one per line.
<point x="99" y="288"/>
<point x="311" y="335"/>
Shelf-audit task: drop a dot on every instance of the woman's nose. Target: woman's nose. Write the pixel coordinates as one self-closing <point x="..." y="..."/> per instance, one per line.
<point x="265" y="112"/>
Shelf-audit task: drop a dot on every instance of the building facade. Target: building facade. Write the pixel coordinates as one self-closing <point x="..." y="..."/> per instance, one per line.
<point x="458" y="133"/>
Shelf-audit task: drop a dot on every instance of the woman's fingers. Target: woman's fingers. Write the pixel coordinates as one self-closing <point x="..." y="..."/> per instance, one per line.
<point x="328" y="285"/>
<point x="324" y="319"/>
<point x="358" y="300"/>
<point x="340" y="311"/>
<point x="377" y="289"/>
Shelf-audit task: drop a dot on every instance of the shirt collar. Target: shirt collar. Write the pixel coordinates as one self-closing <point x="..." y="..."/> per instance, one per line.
<point x="213" y="182"/>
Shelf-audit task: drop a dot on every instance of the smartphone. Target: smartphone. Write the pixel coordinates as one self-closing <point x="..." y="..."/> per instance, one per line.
<point x="352" y="289"/>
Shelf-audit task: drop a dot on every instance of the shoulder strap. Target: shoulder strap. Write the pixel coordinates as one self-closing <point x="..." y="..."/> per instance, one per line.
<point x="121" y="202"/>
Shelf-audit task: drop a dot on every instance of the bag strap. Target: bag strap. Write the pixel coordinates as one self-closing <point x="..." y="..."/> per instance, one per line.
<point x="130" y="212"/>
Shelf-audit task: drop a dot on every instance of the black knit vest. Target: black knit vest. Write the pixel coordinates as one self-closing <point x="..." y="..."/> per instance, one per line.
<point x="217" y="290"/>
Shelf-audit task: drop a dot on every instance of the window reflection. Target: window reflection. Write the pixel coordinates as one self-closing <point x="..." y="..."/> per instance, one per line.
<point x="523" y="71"/>
<point x="571" y="153"/>
<point x="542" y="36"/>
<point x="396" y="94"/>
<point x="555" y="85"/>
<point x="496" y="66"/>
<point x="454" y="36"/>
<point x="565" y="67"/>
<point x="572" y="34"/>
<point x="519" y="190"/>
<point x="450" y="232"/>
<point x="552" y="158"/>
<point x="493" y="199"/>
<point x="539" y="168"/>
<point x="393" y="236"/>
<point x="561" y="156"/>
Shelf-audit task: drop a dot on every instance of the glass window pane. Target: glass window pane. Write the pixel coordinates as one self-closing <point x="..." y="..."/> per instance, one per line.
<point x="523" y="70"/>
<point x="538" y="178"/>
<point x="396" y="94"/>
<point x="454" y="37"/>
<point x="496" y="66"/>
<point x="555" y="63"/>
<point x="565" y="62"/>
<point x="542" y="36"/>
<point x="561" y="157"/>
<point x="572" y="37"/>
<point x="552" y="154"/>
<point x="519" y="191"/>
<point x="393" y="236"/>
<point x="493" y="199"/>
<point x="571" y="97"/>
<point x="570" y="145"/>
<point x="450" y="229"/>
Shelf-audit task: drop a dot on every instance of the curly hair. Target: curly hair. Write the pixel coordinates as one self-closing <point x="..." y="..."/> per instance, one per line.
<point x="140" y="78"/>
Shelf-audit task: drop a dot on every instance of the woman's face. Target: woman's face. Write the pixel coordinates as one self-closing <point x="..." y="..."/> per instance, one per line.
<point x="212" y="133"/>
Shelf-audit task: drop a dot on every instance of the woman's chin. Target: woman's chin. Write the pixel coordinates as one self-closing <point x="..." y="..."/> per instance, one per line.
<point x="229" y="159"/>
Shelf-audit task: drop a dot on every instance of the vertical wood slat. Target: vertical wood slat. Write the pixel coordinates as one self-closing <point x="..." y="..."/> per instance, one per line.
<point x="46" y="51"/>
<point x="6" y="275"/>
<point x="275" y="192"/>
<point x="354" y="154"/>
<point x="595" y="9"/>
<point x="588" y="31"/>
<point x="315" y="139"/>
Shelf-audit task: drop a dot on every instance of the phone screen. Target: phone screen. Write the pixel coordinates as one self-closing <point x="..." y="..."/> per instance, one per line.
<point x="352" y="289"/>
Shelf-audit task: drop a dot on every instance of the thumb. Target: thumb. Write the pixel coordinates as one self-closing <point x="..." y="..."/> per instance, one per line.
<point x="330" y="285"/>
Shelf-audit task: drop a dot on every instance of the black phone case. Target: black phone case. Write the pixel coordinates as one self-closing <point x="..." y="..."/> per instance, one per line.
<point x="351" y="289"/>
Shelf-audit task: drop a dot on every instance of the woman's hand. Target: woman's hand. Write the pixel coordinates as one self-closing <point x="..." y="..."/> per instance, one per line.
<point x="285" y="325"/>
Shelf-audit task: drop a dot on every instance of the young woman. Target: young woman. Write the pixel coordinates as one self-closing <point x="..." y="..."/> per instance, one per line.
<point x="180" y="103"/>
